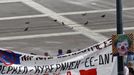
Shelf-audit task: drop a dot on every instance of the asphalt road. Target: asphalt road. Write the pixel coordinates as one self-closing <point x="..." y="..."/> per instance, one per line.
<point x="59" y="24"/>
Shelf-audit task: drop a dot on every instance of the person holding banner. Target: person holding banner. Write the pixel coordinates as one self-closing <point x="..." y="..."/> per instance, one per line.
<point x="60" y="52"/>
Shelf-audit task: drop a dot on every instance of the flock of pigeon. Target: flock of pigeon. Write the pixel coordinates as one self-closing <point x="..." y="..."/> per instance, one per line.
<point x="84" y="14"/>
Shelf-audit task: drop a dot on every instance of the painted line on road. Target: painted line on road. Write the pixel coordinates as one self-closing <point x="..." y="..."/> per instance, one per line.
<point x="66" y="13"/>
<point x="85" y="31"/>
<point x="95" y="11"/>
<point x="112" y="29"/>
<point x="9" y="1"/>
<point x="23" y="17"/>
<point x="37" y="36"/>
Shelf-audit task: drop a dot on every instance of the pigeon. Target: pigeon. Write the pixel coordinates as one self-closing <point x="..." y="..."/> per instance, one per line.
<point x="62" y="23"/>
<point x="86" y="23"/>
<point x="103" y="15"/>
<point x="26" y="29"/>
<point x="27" y="22"/>
<point x="84" y="14"/>
<point x="55" y="20"/>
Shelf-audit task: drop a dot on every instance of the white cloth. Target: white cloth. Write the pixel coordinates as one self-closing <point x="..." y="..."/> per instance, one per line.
<point x="126" y="70"/>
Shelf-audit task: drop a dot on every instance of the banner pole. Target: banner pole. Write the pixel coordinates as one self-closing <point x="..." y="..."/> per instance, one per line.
<point x="119" y="31"/>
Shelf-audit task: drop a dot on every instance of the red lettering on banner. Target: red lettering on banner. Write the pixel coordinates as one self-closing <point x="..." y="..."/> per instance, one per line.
<point x="88" y="72"/>
<point x="69" y="73"/>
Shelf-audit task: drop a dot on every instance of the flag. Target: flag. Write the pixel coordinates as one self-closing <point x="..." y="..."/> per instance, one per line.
<point x="88" y="72"/>
<point x="8" y="57"/>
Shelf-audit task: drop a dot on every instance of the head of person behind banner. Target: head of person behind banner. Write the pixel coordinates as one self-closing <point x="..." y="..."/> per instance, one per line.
<point x="122" y="44"/>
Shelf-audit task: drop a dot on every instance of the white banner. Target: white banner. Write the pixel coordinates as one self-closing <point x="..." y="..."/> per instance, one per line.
<point x="94" y="60"/>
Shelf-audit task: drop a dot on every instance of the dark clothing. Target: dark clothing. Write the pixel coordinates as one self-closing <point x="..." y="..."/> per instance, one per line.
<point x="131" y="70"/>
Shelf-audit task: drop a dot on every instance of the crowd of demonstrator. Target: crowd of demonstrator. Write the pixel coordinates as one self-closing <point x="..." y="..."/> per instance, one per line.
<point x="60" y="52"/>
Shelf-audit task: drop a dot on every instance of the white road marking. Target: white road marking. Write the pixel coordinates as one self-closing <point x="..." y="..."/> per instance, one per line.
<point x="9" y="1"/>
<point x="112" y="29"/>
<point x="85" y="31"/>
<point x="95" y="11"/>
<point x="93" y="3"/>
<point x="66" y="13"/>
<point x="53" y="42"/>
<point x="37" y="36"/>
<point x="23" y="17"/>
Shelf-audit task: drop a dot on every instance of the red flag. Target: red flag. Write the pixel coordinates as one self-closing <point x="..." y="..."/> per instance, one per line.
<point x="88" y="72"/>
